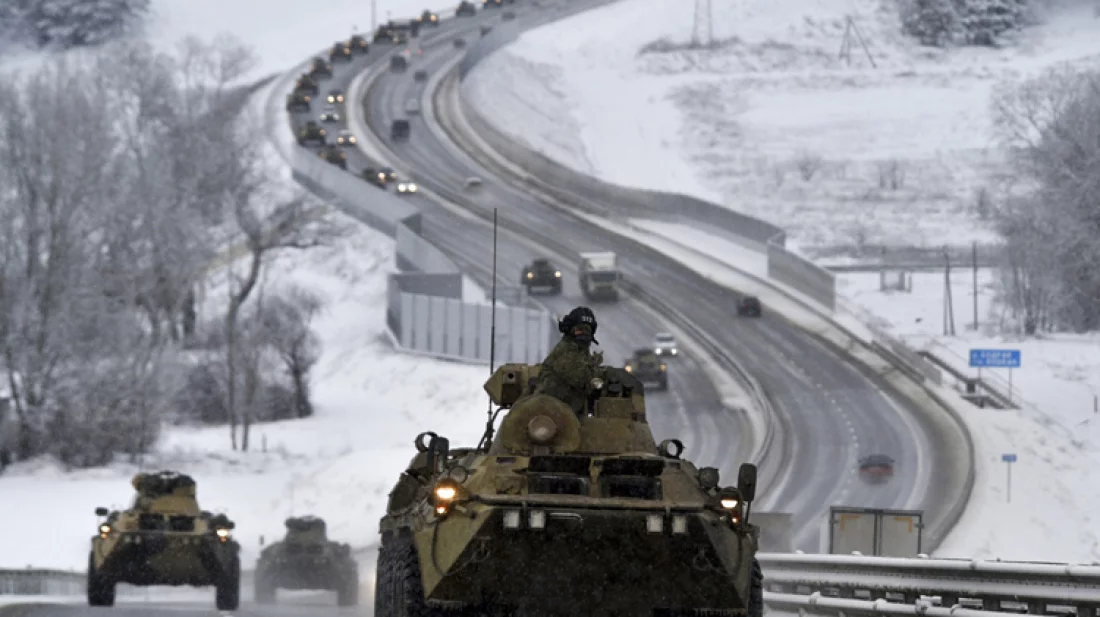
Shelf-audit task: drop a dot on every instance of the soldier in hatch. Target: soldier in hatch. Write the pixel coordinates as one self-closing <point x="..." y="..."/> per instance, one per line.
<point x="570" y="366"/>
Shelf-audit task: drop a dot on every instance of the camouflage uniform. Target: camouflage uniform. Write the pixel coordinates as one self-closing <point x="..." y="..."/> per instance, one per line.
<point x="567" y="371"/>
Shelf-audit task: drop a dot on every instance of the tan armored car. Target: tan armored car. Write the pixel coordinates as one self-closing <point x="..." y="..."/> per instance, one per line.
<point x="566" y="514"/>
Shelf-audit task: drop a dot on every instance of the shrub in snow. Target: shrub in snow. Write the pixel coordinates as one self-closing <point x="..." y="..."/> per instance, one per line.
<point x="973" y="22"/>
<point x="71" y="23"/>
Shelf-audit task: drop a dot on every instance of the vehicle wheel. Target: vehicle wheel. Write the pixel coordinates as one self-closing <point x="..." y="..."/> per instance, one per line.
<point x="383" y="580"/>
<point x="405" y="589"/>
<point x="264" y="588"/>
<point x="756" y="590"/>
<point x="227" y="597"/>
<point x="101" y="590"/>
<point x="348" y="594"/>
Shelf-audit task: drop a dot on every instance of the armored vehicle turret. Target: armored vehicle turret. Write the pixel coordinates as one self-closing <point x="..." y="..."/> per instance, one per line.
<point x="164" y="539"/>
<point x="307" y="84"/>
<point x="560" y="513"/>
<point x="307" y="559"/>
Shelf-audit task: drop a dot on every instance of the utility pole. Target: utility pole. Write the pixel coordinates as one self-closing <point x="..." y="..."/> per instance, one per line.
<point x="704" y="24"/>
<point x="974" y="256"/>
<point x="373" y="15"/>
<point x="948" y="301"/>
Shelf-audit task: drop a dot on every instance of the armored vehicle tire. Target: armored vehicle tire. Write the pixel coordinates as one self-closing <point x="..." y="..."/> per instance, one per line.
<point x="348" y="593"/>
<point x="756" y="591"/>
<point x="227" y="597"/>
<point x="399" y="591"/>
<point x="101" y="590"/>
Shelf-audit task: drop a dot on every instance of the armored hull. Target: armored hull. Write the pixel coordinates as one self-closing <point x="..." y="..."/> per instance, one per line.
<point x="159" y="558"/>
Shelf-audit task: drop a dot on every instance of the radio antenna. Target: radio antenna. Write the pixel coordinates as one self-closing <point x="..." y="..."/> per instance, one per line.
<point x="487" y="437"/>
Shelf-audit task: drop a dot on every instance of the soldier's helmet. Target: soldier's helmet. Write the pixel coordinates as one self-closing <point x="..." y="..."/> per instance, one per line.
<point x="581" y="324"/>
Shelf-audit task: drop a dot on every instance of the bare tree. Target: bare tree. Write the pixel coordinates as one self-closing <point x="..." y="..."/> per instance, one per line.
<point x="286" y="319"/>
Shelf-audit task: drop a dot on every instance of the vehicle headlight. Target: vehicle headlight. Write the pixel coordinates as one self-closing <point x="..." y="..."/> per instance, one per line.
<point x="664" y="367"/>
<point x="444" y="496"/>
<point x="597" y="383"/>
<point x="105" y="529"/>
<point x="557" y="274"/>
<point x="628" y="368"/>
<point x="335" y="116"/>
<point x="412" y="188"/>
<point x="222" y="533"/>
<point x="530" y="275"/>
<point x="324" y="132"/>
<point x="332" y="99"/>
<point x="351" y="139"/>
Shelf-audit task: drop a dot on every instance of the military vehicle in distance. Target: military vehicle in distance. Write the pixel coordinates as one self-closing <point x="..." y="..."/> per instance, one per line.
<point x="312" y="132"/>
<point x="876" y="468"/>
<point x="320" y="67"/>
<point x="563" y="514"/>
<point x="543" y="275"/>
<point x="164" y="539"/>
<point x="399" y="130"/>
<point x="647" y="368"/>
<point x="358" y="43"/>
<point x="428" y="18"/>
<point x="340" y="51"/>
<point x="332" y="154"/>
<point x="749" y="306"/>
<point x="307" y="559"/>
<point x="306" y="83"/>
<point x="375" y="177"/>
<point x="298" y="101"/>
<point x="465" y="9"/>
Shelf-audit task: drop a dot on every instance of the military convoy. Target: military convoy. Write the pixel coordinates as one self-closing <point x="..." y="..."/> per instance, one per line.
<point x="428" y="18"/>
<point x="320" y="67"/>
<point x="561" y="513"/>
<point x="307" y="559"/>
<point x="646" y="367"/>
<point x="340" y="51"/>
<point x="164" y="539"/>
<point x="307" y="84"/>
<point x="333" y="155"/>
<point x="358" y="43"/>
<point x="465" y="9"/>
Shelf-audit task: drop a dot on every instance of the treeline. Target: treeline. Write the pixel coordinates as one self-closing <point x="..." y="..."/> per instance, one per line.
<point x="64" y="24"/>
<point x="963" y="22"/>
<point x="124" y="180"/>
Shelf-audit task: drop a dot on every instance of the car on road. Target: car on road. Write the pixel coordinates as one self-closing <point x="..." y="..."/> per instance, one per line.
<point x="412" y="106"/>
<point x="332" y="154"/>
<point x="336" y="95"/>
<point x="312" y="131"/>
<point x="407" y="187"/>
<point x="358" y="44"/>
<point x="749" y="306"/>
<point x="329" y="114"/>
<point x="420" y="75"/>
<point x="473" y="183"/>
<point x="373" y="176"/>
<point x="664" y="345"/>
<point x="320" y="67"/>
<point x="340" y="51"/>
<point x="345" y="138"/>
<point x="647" y="367"/>
<point x="388" y="174"/>
<point x="541" y="273"/>
<point x="876" y="468"/>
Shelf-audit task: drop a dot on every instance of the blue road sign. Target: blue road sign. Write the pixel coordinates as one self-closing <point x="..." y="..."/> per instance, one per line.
<point x="995" y="358"/>
<point x="1008" y="458"/>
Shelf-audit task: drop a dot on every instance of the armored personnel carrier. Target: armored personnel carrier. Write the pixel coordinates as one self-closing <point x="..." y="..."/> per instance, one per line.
<point x="298" y="101"/>
<point x="646" y="367"/>
<point x="542" y="274"/>
<point x="164" y="539"/>
<point x="307" y="84"/>
<point x="331" y="154"/>
<point x="564" y="514"/>
<point x="307" y="559"/>
<point x="312" y="131"/>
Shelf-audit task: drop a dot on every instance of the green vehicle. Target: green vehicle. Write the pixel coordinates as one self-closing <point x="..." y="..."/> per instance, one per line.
<point x="307" y="559"/>
<point x="298" y="101"/>
<point x="646" y="366"/>
<point x="332" y="154"/>
<point x="307" y="84"/>
<point x="312" y="132"/>
<point x="561" y="514"/>
<point x="164" y="539"/>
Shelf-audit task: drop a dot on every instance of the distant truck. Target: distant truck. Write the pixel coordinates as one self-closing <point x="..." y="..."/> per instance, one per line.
<point x="599" y="276"/>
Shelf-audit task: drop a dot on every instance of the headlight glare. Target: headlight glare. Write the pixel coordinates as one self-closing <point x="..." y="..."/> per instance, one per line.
<point x="222" y="533"/>
<point x="105" y="528"/>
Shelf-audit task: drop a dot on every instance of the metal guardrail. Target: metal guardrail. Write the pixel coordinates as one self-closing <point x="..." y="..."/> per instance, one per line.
<point x="991" y="585"/>
<point x="816" y="604"/>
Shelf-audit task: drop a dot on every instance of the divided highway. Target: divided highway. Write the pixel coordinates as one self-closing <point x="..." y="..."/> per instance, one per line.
<point x="834" y="412"/>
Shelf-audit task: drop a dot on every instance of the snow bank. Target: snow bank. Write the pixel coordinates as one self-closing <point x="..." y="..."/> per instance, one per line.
<point x="771" y="121"/>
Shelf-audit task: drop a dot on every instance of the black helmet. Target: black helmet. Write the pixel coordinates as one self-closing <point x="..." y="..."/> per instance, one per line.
<point x="580" y="316"/>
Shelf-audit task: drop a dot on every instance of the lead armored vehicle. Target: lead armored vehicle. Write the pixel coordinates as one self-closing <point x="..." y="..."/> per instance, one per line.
<point x="307" y="559"/>
<point x="646" y="367"/>
<point x="542" y="274"/>
<point x="560" y="513"/>
<point x="164" y="539"/>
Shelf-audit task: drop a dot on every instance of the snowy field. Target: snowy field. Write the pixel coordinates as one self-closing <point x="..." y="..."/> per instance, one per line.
<point x="1058" y="448"/>
<point x="772" y="122"/>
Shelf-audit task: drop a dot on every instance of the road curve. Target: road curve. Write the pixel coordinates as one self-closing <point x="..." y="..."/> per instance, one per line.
<point x="691" y="410"/>
<point x="836" y="411"/>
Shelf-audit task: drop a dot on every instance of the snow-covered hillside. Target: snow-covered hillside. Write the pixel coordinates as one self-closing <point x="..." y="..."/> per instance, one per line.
<point x="773" y="122"/>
